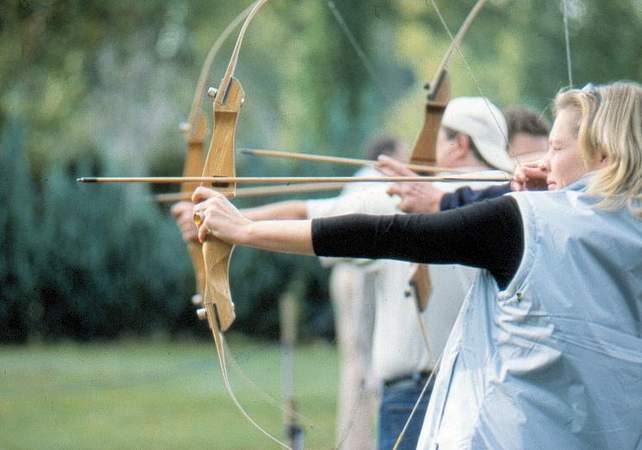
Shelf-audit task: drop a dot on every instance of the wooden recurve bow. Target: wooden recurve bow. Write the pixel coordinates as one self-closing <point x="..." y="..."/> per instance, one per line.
<point x="195" y="130"/>
<point x="218" y="308"/>
<point x="425" y="148"/>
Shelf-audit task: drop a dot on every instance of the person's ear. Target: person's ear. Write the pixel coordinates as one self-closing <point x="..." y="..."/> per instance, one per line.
<point x="462" y="146"/>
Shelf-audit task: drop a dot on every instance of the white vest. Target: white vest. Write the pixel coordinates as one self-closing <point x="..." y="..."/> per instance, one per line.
<point x="555" y="360"/>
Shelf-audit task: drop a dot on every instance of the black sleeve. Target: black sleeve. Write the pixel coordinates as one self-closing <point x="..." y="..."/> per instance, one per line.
<point x="487" y="235"/>
<point x="466" y="196"/>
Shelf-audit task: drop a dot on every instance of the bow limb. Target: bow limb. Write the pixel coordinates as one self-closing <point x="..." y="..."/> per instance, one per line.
<point x="195" y="110"/>
<point x="424" y="150"/>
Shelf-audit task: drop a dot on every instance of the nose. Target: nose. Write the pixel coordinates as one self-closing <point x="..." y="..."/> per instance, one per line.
<point x="543" y="163"/>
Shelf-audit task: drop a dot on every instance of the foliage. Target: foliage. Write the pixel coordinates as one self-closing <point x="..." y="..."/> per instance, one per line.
<point x="109" y="82"/>
<point x="16" y="239"/>
<point x="101" y="262"/>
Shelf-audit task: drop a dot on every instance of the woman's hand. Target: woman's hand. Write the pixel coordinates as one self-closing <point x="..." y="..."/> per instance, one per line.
<point x="529" y="177"/>
<point x="216" y="217"/>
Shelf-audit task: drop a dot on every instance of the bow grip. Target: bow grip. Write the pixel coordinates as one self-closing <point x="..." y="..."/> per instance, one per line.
<point x="217" y="298"/>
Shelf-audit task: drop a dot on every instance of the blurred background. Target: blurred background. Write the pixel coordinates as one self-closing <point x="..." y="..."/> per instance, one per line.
<point x="95" y="281"/>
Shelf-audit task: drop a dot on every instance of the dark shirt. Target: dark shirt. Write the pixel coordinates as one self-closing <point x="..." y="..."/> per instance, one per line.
<point x="466" y="196"/>
<point x="487" y="235"/>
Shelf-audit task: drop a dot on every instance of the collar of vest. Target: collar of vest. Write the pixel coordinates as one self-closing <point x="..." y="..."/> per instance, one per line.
<point x="581" y="184"/>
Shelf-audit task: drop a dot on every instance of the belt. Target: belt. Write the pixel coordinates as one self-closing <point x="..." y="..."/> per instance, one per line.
<point x="416" y="377"/>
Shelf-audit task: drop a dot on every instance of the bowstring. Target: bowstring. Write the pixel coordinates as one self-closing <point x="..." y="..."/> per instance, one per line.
<point x="219" y="341"/>
<point x="266" y="396"/>
<point x="422" y="394"/>
<point x="481" y="93"/>
<point x="473" y="77"/>
<point x="567" y="41"/>
<point x="479" y="89"/>
<point x="343" y="436"/>
<point x="354" y="43"/>
<point x="424" y="333"/>
<point x="343" y="26"/>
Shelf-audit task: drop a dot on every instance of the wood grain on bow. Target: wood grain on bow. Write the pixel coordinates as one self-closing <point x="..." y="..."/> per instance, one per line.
<point x="195" y="130"/>
<point x="218" y="307"/>
<point x="424" y="151"/>
<point x="219" y="162"/>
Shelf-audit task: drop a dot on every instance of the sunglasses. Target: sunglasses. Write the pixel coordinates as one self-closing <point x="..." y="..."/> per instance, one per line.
<point x="591" y="89"/>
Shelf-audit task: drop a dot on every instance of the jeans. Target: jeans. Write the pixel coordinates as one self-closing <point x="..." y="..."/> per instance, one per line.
<point x="397" y="401"/>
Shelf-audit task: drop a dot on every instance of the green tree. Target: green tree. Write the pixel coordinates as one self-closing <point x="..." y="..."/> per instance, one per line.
<point x="17" y="197"/>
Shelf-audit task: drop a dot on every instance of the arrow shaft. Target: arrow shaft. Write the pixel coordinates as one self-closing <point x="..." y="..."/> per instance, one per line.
<point x="295" y="180"/>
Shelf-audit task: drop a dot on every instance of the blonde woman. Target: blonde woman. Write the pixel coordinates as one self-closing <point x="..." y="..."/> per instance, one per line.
<point x="547" y="348"/>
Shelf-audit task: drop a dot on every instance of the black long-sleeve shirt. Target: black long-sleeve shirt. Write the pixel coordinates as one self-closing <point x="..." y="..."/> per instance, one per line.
<point x="487" y="235"/>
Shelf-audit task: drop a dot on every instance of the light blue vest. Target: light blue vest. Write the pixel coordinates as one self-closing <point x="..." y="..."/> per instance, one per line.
<point x="555" y="360"/>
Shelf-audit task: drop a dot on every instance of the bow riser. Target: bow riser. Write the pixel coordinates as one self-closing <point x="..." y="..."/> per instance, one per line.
<point x="217" y="298"/>
<point x="425" y="149"/>
<point x="425" y="152"/>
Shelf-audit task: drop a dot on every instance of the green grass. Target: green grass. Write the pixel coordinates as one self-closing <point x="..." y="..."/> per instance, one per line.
<point x="157" y="395"/>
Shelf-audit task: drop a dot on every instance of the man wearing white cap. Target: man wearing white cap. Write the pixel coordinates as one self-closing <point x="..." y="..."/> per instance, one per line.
<point x="527" y="141"/>
<point x="473" y="135"/>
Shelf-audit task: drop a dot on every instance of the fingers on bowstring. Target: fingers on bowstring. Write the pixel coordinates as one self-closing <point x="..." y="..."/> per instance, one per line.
<point x="202" y="193"/>
<point x="391" y="166"/>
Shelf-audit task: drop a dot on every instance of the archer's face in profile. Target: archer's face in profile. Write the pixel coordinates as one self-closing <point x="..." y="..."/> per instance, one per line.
<point x="454" y="151"/>
<point x="563" y="163"/>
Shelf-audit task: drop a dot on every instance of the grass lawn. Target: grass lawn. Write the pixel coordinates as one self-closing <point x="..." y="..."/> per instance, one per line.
<point x="157" y="395"/>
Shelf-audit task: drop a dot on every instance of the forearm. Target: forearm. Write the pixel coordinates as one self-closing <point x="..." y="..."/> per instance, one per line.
<point x="488" y="235"/>
<point x="284" y="236"/>
<point x="288" y="210"/>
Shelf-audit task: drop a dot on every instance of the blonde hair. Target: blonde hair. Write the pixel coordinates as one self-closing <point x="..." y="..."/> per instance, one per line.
<point x="610" y="126"/>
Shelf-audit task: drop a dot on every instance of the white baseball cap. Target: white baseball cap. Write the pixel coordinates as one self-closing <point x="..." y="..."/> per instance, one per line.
<point x="478" y="118"/>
